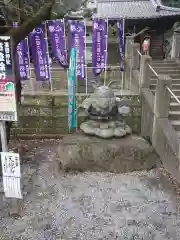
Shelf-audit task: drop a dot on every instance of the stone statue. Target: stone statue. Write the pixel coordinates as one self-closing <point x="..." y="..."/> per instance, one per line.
<point x="106" y="114"/>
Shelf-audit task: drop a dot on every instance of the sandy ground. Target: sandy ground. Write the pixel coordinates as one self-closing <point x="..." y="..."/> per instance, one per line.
<point x="87" y="206"/>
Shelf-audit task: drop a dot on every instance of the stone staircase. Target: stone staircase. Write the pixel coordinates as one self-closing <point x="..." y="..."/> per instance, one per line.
<point x="172" y="69"/>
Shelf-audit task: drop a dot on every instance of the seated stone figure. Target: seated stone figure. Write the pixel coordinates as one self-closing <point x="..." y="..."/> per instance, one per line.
<point x="106" y="114"/>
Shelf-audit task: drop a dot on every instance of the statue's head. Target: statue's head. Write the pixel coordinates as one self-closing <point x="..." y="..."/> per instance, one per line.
<point x="104" y="97"/>
<point x="103" y="91"/>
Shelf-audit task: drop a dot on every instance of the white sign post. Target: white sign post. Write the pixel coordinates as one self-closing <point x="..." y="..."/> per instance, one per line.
<point x="11" y="174"/>
<point x="8" y="112"/>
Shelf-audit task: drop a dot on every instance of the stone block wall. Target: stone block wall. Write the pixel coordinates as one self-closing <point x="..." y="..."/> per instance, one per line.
<point x="59" y="79"/>
<point x="46" y="115"/>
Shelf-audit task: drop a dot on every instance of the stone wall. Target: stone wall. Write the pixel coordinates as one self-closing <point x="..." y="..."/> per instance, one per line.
<point x="155" y="124"/>
<point x="59" y="79"/>
<point x="147" y="116"/>
<point x="45" y="115"/>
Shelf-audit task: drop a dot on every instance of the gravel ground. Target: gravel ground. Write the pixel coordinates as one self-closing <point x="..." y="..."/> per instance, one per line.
<point x="139" y="205"/>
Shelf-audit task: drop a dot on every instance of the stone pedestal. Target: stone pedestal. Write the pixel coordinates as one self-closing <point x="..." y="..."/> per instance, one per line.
<point x="80" y="153"/>
<point x="105" y="129"/>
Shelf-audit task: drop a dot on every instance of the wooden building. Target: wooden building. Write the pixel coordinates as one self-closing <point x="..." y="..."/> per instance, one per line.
<point x="139" y="14"/>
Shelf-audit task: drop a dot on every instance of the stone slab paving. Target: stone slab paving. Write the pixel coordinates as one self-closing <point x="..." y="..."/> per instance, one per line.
<point x="139" y="205"/>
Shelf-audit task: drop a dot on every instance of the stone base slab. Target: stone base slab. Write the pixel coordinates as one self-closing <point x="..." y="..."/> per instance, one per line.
<point x="82" y="153"/>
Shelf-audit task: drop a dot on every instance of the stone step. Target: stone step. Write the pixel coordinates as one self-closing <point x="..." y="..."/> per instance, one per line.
<point x="176" y="124"/>
<point x="178" y="134"/>
<point x="159" y="68"/>
<point x="164" y="64"/>
<point x="163" y="61"/>
<point x="167" y="71"/>
<point x="174" y="115"/>
<point x="164" y="67"/>
<point x="174" y="106"/>
<point x="173" y="100"/>
<point x="175" y="91"/>
<point x="174" y="86"/>
<point x="173" y="76"/>
<point x="174" y="81"/>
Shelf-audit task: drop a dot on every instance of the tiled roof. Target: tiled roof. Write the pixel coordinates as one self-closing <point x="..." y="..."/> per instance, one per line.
<point x="133" y="9"/>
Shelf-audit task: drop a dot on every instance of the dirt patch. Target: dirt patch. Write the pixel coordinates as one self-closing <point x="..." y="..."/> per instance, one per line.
<point x="63" y="206"/>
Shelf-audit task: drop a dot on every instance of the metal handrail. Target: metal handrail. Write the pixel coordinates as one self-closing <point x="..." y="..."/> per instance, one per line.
<point x="152" y="69"/>
<point x="169" y="90"/>
<point x="140" y="54"/>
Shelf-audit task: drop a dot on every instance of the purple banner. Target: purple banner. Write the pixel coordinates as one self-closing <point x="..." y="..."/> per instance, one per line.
<point x="99" y="45"/>
<point x="39" y="53"/>
<point x="77" y="41"/>
<point x="120" y="35"/>
<point x="58" y="41"/>
<point x="22" y="58"/>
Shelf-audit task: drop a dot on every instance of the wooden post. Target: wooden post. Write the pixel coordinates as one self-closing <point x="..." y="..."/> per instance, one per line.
<point x="3" y="136"/>
<point x="144" y="80"/>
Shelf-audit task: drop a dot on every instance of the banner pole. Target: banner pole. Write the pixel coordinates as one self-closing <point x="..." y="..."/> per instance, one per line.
<point x="30" y="70"/>
<point x="85" y="37"/>
<point x="106" y="58"/>
<point x="48" y="55"/>
<point x="123" y="80"/>
<point x="66" y="50"/>
<point x="76" y="105"/>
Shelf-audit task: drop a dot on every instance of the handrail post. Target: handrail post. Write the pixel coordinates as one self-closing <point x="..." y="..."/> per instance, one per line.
<point x="162" y="96"/>
<point x="135" y="56"/>
<point x="145" y="71"/>
<point x="161" y="105"/>
<point x="128" y="60"/>
<point x="128" y="46"/>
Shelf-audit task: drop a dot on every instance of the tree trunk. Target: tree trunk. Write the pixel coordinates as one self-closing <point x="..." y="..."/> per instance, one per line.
<point x="18" y="34"/>
<point x="26" y="27"/>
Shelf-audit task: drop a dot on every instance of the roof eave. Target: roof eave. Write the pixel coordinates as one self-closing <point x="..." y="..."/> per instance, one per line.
<point x="158" y="8"/>
<point x="138" y="18"/>
<point x="163" y="7"/>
